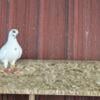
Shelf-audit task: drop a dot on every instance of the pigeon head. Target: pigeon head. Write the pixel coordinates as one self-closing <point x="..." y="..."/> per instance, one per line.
<point x="13" y="33"/>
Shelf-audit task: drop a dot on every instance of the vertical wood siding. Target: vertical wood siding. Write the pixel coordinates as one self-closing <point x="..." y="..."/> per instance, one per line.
<point x="3" y="20"/>
<point x="53" y="29"/>
<point x="84" y="32"/>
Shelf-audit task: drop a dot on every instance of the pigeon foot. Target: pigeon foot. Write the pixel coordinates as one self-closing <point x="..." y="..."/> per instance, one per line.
<point x="10" y="70"/>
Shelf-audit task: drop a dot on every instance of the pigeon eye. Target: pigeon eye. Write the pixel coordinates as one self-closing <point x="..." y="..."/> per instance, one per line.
<point x="14" y="31"/>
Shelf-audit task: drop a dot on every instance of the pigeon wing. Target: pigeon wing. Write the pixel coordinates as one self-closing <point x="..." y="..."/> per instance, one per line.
<point x="3" y="52"/>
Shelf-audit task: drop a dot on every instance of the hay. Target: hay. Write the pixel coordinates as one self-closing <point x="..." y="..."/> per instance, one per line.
<point x="52" y="78"/>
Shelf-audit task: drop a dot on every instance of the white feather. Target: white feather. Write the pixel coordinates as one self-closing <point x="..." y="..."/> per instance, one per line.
<point x="11" y="51"/>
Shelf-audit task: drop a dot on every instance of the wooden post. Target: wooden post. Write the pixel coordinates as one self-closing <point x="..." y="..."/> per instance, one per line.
<point x="31" y="97"/>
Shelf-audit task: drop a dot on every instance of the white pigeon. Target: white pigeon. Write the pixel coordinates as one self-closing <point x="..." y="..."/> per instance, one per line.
<point x="11" y="51"/>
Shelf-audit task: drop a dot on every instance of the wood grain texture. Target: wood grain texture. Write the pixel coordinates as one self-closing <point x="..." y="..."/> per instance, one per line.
<point x="0" y="97"/>
<point x="81" y="98"/>
<point x="83" y="42"/>
<point x="42" y="97"/>
<point x="54" y="97"/>
<point x="3" y="21"/>
<point x="13" y="97"/>
<point x="52" y="29"/>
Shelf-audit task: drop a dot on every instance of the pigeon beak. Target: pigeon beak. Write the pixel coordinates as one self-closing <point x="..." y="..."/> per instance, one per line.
<point x="17" y="34"/>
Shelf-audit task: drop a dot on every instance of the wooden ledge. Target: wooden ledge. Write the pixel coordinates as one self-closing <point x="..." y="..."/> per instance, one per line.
<point x="52" y="78"/>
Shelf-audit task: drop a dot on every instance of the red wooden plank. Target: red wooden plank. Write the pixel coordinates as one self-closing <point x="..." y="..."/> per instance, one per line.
<point x="41" y="97"/>
<point x="0" y="97"/>
<point x="52" y="29"/>
<point x="55" y="98"/>
<point x="87" y="33"/>
<point x="70" y="29"/>
<point x="20" y="97"/>
<point x="76" y="33"/>
<point x="80" y="30"/>
<point x="10" y="97"/>
<point x="81" y="98"/>
<point x="3" y="21"/>
<point x="95" y="18"/>
<point x="13" y="97"/>
<point x="51" y="97"/>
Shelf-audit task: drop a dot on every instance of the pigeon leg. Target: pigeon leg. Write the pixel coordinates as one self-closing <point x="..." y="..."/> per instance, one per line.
<point x="11" y="69"/>
<point x="13" y="66"/>
<point x="5" y="62"/>
<point x="6" y="69"/>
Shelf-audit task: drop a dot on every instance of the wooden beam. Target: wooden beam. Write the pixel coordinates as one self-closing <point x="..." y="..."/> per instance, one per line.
<point x="31" y="97"/>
